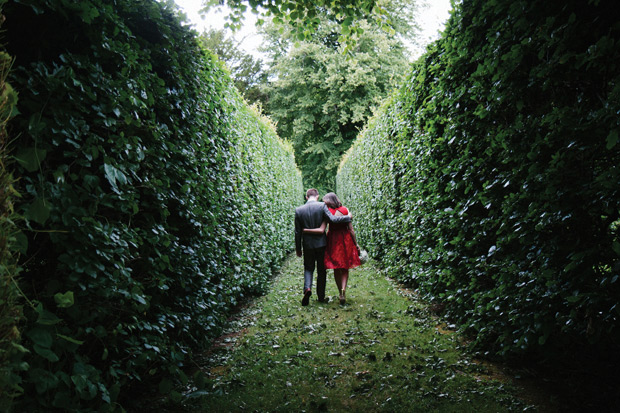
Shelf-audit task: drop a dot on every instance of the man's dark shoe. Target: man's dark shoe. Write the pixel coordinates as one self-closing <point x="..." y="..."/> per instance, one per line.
<point x="306" y="299"/>
<point x="323" y="300"/>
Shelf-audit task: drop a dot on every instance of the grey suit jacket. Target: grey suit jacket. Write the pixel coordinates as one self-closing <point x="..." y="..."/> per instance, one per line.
<point x="311" y="215"/>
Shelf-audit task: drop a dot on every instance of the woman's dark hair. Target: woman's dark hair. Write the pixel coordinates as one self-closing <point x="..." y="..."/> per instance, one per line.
<point x="331" y="200"/>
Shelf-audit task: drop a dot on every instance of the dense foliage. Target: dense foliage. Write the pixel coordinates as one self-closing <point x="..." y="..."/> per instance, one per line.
<point x="154" y="199"/>
<point x="321" y="97"/>
<point x="490" y="181"/>
<point x="304" y="16"/>
<point x="11" y="351"/>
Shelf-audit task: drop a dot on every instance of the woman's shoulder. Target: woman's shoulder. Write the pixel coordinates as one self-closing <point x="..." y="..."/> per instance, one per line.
<point x="344" y="210"/>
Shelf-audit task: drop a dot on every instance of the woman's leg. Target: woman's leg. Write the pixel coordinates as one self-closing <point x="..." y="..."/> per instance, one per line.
<point x="338" y="279"/>
<point x="344" y="278"/>
<point x="342" y="284"/>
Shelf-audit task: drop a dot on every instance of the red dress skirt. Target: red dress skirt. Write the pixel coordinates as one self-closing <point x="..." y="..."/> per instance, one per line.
<point x="341" y="251"/>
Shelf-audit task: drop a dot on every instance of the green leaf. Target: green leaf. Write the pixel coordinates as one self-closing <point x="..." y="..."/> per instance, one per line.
<point x="39" y="211"/>
<point x="31" y="158"/>
<point x="89" y="13"/>
<point x="612" y="139"/>
<point x="47" y="318"/>
<point x="19" y="347"/>
<point x="46" y="353"/>
<point x="175" y="396"/>
<point x="114" y="175"/>
<point x="85" y="388"/>
<point x="43" y="379"/>
<point x="65" y="300"/>
<point x="71" y="340"/>
<point x="40" y="336"/>
<point x="165" y="386"/>
<point x="21" y="243"/>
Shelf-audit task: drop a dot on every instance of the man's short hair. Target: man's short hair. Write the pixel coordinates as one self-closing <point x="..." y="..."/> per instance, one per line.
<point x="312" y="192"/>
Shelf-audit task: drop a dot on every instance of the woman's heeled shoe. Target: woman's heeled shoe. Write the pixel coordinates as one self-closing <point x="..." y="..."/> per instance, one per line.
<point x="343" y="299"/>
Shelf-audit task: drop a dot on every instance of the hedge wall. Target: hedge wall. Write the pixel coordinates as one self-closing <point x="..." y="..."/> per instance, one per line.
<point x="154" y="198"/>
<point x="10" y="304"/>
<point x="491" y="180"/>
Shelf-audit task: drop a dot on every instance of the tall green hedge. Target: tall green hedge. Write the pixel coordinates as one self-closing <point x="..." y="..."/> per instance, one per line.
<point x="154" y="198"/>
<point x="11" y="351"/>
<point x="491" y="181"/>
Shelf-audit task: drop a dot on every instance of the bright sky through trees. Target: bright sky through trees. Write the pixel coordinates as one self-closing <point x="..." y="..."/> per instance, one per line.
<point x="431" y="20"/>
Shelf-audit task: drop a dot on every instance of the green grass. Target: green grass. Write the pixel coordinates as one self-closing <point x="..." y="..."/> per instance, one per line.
<point x="382" y="351"/>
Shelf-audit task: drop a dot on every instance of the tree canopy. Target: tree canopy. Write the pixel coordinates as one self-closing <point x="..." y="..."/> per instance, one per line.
<point x="322" y="97"/>
<point x="305" y="16"/>
<point x="247" y="71"/>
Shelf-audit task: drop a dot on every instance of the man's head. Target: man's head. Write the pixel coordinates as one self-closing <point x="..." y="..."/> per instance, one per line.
<point x="312" y="193"/>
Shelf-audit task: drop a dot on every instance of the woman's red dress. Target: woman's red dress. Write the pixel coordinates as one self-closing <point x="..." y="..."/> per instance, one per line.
<point x="341" y="251"/>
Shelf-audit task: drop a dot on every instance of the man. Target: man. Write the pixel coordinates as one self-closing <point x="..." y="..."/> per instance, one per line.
<point x="311" y="215"/>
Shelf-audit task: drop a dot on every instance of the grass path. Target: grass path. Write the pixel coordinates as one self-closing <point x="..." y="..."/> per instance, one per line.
<point x="382" y="351"/>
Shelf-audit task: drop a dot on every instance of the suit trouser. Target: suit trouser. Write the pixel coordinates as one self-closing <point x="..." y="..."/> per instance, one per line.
<point x="315" y="257"/>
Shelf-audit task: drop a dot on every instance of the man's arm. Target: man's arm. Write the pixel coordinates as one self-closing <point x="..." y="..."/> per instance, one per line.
<point x="333" y="219"/>
<point x="298" y="230"/>
<point x="316" y="231"/>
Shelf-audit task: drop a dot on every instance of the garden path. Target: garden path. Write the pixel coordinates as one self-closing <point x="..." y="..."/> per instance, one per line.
<point x="382" y="351"/>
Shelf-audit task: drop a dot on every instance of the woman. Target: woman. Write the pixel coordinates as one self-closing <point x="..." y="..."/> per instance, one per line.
<point x="342" y="251"/>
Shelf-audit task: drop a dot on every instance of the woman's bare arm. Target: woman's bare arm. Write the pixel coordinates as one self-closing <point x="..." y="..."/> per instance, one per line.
<point x="316" y="231"/>
<point x="353" y="236"/>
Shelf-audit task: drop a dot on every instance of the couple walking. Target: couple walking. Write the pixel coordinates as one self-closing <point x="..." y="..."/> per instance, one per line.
<point x="338" y="250"/>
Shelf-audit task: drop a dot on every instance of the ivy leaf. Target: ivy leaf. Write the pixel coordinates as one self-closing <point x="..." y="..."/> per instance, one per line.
<point x="31" y="158"/>
<point x="85" y="388"/>
<point x="39" y="211"/>
<point x="46" y="353"/>
<point x="71" y="340"/>
<point x="47" y="318"/>
<point x="88" y="13"/>
<point x="21" y="243"/>
<point x="175" y="396"/>
<point x="65" y="300"/>
<point x="612" y="139"/>
<point x="44" y="380"/>
<point x="40" y="336"/>
<point x="19" y="347"/>
<point x="165" y="386"/>
<point x="114" y="175"/>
